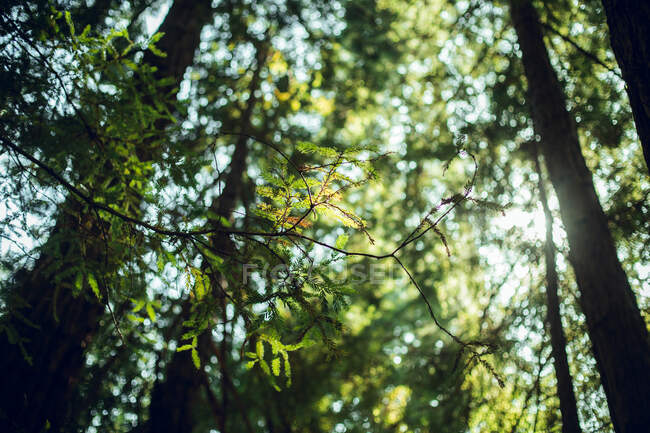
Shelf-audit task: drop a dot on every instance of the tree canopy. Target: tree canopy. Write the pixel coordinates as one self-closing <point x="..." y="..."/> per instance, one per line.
<point x="323" y="216"/>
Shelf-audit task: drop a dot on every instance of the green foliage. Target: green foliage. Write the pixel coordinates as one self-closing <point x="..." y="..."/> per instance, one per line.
<point x="92" y="282"/>
<point x="279" y="356"/>
<point x="367" y="132"/>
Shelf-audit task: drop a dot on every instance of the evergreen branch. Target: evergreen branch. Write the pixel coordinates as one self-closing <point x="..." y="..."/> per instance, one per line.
<point x="287" y="233"/>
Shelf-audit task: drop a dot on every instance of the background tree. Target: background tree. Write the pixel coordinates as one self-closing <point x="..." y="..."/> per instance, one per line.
<point x="628" y="24"/>
<point x="568" y="407"/>
<point x="606" y="297"/>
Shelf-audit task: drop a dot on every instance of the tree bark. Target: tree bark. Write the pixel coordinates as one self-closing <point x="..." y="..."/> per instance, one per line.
<point x="35" y="395"/>
<point x="629" y="30"/>
<point x="182" y="28"/>
<point x="617" y="331"/>
<point x="568" y="408"/>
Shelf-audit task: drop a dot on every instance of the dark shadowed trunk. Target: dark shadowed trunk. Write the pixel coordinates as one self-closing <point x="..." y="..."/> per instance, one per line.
<point x="224" y="350"/>
<point x="568" y="409"/>
<point x="629" y="31"/>
<point x="35" y="395"/>
<point x="182" y="28"/>
<point x="172" y="398"/>
<point x="617" y="331"/>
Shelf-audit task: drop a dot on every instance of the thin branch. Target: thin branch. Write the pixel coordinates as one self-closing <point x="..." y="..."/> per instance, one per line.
<point x="583" y="51"/>
<point x="287" y="233"/>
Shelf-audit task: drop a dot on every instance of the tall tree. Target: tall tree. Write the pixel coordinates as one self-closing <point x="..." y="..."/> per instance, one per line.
<point x="616" y="328"/>
<point x="629" y="24"/>
<point x="44" y="355"/>
<point x="173" y="399"/>
<point x="568" y="408"/>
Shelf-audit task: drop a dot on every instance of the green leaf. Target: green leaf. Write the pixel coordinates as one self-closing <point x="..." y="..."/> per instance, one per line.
<point x="156" y="51"/>
<point x="184" y="347"/>
<point x="151" y="313"/>
<point x="139" y="304"/>
<point x="68" y="19"/>
<point x="276" y="346"/>
<point x="156" y="37"/>
<point x="275" y="366"/>
<point x="135" y="319"/>
<point x="287" y="367"/>
<point x="129" y="64"/>
<point x="79" y="281"/>
<point x="84" y="34"/>
<point x="259" y="348"/>
<point x="341" y="241"/>
<point x="306" y="147"/>
<point x="92" y="282"/>
<point x="345" y="290"/>
<point x="215" y="259"/>
<point x="195" y="358"/>
<point x="265" y="367"/>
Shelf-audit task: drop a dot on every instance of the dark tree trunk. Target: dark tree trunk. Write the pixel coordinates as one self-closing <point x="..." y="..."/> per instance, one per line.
<point x="629" y="31"/>
<point x="568" y="408"/>
<point x="170" y="398"/>
<point x="223" y="369"/>
<point x="182" y="28"/>
<point x="35" y="395"/>
<point x="617" y="331"/>
<point x="174" y="399"/>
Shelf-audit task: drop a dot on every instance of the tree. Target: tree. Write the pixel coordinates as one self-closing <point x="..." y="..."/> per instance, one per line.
<point x="616" y="328"/>
<point x="174" y="400"/>
<point x="570" y="421"/>
<point x="49" y="325"/>
<point x="628" y="29"/>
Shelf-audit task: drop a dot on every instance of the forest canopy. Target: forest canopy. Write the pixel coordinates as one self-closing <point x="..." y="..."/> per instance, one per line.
<point x="324" y="216"/>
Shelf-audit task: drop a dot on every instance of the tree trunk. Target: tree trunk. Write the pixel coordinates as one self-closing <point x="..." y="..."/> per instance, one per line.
<point x="568" y="409"/>
<point x="171" y="399"/>
<point x="182" y="28"/>
<point x="629" y="31"/>
<point x="35" y="395"/>
<point x="617" y="331"/>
